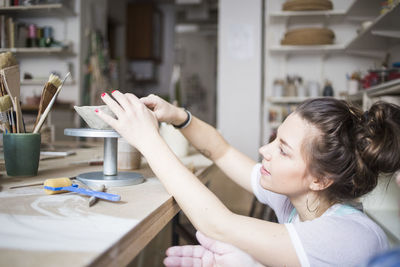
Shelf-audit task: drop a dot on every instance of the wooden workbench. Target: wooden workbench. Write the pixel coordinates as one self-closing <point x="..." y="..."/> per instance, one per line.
<point x="61" y="230"/>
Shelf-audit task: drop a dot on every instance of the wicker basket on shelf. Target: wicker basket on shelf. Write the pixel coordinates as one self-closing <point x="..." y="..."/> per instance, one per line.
<point x="307" y="5"/>
<point x="308" y="36"/>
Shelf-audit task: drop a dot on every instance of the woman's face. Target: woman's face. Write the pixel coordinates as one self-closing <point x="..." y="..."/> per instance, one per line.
<point x="283" y="166"/>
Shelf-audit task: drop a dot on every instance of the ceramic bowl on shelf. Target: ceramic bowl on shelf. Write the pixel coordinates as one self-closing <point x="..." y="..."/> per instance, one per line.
<point x="89" y="115"/>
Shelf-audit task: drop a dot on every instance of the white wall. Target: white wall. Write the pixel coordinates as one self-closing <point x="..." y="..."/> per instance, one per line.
<point x="168" y="51"/>
<point x="117" y="14"/>
<point x="198" y="73"/>
<point x="239" y="74"/>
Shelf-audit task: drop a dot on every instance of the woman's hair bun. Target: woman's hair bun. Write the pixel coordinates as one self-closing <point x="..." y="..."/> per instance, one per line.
<point x="379" y="144"/>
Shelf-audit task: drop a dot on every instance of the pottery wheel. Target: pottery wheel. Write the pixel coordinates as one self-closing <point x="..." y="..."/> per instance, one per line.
<point x="110" y="175"/>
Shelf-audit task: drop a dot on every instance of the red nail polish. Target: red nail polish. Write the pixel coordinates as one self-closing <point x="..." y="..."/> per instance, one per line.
<point x="103" y="94"/>
<point x="114" y="91"/>
<point x="96" y="110"/>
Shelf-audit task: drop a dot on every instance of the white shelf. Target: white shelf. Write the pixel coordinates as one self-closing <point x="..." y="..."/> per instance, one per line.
<point x="374" y="39"/>
<point x="388" y="88"/>
<point x="307" y="49"/>
<point x="38" y="10"/>
<point x="38" y="50"/>
<point x="387" y="33"/>
<point x="371" y="42"/>
<point x="326" y="13"/>
<point x="31" y="7"/>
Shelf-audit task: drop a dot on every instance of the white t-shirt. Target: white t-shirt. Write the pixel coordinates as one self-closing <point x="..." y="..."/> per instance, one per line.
<point x="342" y="236"/>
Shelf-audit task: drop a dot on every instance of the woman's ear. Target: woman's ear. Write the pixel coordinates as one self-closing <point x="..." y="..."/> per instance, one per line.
<point x="319" y="184"/>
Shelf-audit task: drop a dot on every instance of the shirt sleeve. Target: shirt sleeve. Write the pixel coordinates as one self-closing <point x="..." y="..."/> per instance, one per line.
<point x="278" y="202"/>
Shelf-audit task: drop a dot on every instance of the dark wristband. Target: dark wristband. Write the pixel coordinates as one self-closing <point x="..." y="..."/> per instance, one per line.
<point x="186" y="122"/>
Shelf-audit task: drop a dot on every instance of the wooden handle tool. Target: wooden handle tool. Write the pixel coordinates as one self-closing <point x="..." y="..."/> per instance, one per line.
<point x="51" y="103"/>
<point x="49" y="90"/>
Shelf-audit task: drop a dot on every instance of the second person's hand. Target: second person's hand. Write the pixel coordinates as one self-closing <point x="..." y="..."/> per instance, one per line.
<point x="135" y="122"/>
<point x="209" y="253"/>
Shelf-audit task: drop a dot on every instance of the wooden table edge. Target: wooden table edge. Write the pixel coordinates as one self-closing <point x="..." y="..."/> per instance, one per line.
<point x="129" y="246"/>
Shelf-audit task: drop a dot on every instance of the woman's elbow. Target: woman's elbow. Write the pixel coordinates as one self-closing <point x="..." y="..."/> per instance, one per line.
<point x="218" y="227"/>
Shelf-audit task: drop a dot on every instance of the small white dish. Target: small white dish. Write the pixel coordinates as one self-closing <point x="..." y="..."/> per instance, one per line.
<point x="89" y="115"/>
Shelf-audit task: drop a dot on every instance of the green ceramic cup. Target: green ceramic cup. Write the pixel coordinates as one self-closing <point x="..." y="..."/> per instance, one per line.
<point x="21" y="153"/>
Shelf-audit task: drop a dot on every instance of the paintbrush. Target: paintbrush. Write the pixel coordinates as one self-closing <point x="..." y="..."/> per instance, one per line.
<point x="49" y="90"/>
<point x="7" y="59"/>
<point x="5" y="105"/>
<point x="5" y="113"/>
<point x="13" y="126"/>
<point x="17" y="115"/>
<point x="4" y="122"/>
<point x="47" y="110"/>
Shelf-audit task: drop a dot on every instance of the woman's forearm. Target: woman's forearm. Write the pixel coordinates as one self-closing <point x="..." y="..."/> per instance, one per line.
<point x="201" y="206"/>
<point x="206" y="139"/>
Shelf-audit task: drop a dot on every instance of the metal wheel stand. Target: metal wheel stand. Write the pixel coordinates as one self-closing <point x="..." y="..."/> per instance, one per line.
<point x="110" y="175"/>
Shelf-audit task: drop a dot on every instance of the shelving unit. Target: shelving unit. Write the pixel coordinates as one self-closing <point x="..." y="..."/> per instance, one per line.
<point x="288" y="59"/>
<point x="383" y="32"/>
<point x="369" y="42"/>
<point x="372" y="43"/>
<point x="58" y="15"/>
<point x="66" y="21"/>
<point x="326" y="15"/>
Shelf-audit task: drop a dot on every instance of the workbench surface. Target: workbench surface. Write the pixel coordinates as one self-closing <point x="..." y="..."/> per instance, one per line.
<point x="62" y="230"/>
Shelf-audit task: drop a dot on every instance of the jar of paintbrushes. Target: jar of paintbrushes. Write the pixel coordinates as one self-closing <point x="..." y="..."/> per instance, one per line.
<point x="22" y="149"/>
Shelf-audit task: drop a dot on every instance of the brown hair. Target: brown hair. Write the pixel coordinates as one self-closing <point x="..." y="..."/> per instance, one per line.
<point x="353" y="147"/>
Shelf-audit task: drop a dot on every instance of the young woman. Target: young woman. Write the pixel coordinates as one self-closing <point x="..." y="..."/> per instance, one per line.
<point x="325" y="156"/>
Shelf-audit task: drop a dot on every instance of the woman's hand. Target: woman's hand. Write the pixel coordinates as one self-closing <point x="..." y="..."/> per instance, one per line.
<point x="210" y="253"/>
<point x="164" y="111"/>
<point x="135" y="122"/>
